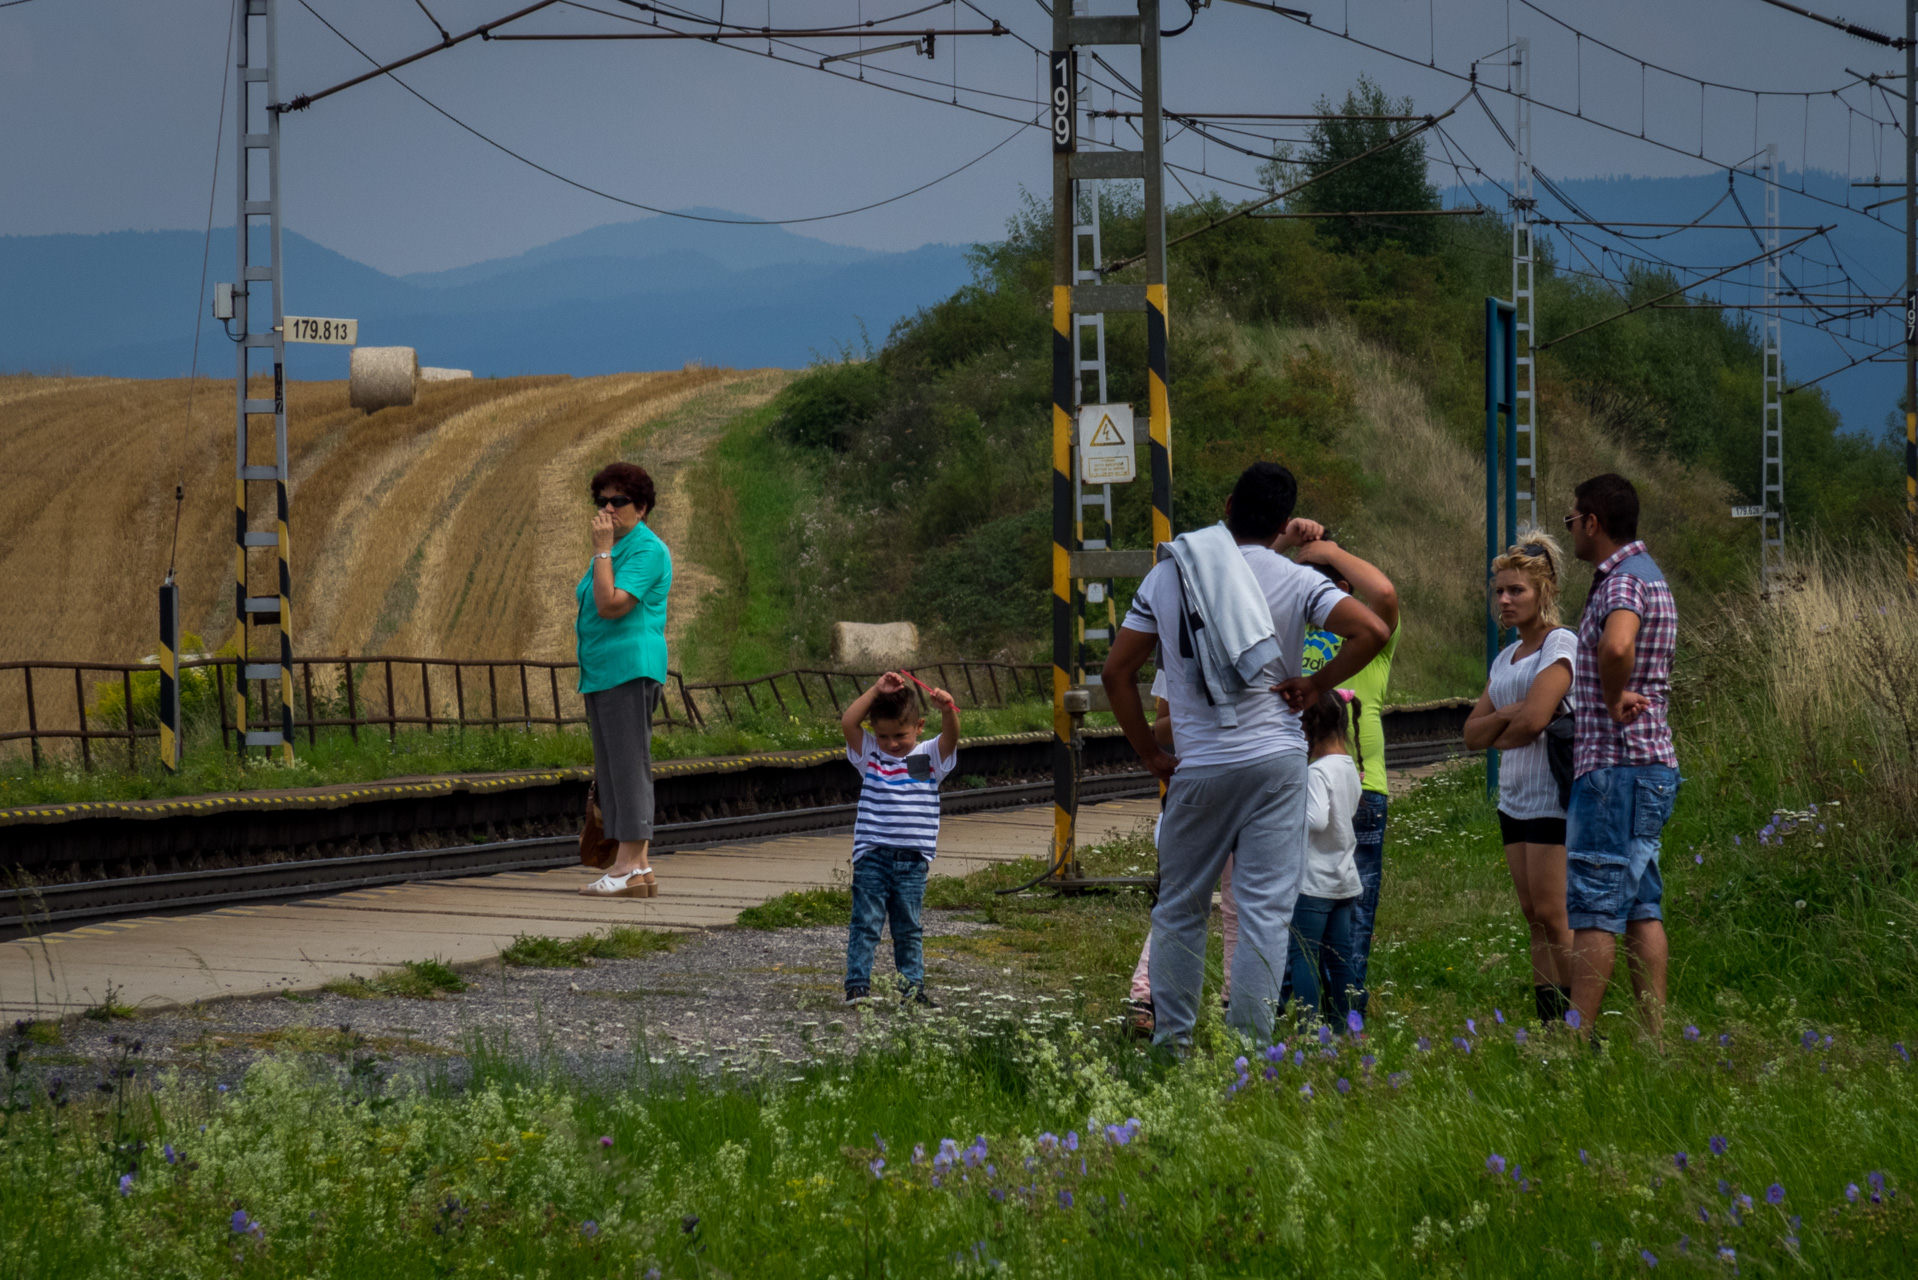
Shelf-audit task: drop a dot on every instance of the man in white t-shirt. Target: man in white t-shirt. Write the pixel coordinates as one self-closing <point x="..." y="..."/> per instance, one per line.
<point x="1234" y="791"/>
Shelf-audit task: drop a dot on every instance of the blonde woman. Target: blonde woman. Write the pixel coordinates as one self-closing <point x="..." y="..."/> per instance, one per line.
<point x="1527" y="691"/>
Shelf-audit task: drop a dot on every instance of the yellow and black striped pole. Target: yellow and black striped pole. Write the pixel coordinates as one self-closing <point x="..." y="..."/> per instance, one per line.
<point x="240" y="718"/>
<point x="1064" y="790"/>
<point x="1159" y="424"/>
<point x="170" y="746"/>
<point x="286" y="626"/>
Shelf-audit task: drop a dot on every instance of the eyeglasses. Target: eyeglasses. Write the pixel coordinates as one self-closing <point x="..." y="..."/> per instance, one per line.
<point x="1575" y="517"/>
<point x="613" y="500"/>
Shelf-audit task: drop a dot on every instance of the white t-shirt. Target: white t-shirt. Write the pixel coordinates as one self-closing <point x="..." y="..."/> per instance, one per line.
<point x="1526" y="788"/>
<point x="1331" y="848"/>
<point x="1299" y="598"/>
<point x="898" y="797"/>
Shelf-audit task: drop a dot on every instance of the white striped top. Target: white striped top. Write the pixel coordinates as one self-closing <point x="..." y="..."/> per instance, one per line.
<point x="1526" y="788"/>
<point x="899" y="797"/>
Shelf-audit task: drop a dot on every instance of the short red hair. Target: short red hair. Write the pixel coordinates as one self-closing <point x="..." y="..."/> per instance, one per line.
<point x="627" y="478"/>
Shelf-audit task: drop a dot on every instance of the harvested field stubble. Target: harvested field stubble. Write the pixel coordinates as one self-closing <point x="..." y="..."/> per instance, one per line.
<point x="453" y="527"/>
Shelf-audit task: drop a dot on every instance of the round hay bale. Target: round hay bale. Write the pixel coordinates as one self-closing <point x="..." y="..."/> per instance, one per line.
<point x="383" y="377"/>
<point x="867" y="646"/>
<point x="430" y="374"/>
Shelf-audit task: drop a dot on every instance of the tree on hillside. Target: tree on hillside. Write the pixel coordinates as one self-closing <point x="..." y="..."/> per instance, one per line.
<point x="1394" y="179"/>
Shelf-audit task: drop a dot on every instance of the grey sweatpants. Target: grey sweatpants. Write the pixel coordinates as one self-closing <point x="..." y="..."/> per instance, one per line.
<point x="1255" y="814"/>
<point x="621" y="719"/>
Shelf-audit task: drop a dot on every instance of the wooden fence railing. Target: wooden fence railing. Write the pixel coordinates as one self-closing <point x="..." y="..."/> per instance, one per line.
<point x="115" y="704"/>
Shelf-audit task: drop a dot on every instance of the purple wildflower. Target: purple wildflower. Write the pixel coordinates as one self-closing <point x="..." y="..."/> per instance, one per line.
<point x="1691" y="1032"/>
<point x="1724" y="1039"/>
<point x="1239" y="1064"/>
<point x="1572" y="1019"/>
<point x="975" y="1155"/>
<point x="1396" y="1079"/>
<point x="877" y="1141"/>
<point x="1425" y="1045"/>
<point x="1704" y="1214"/>
<point x="589" y="1228"/>
<point x="1898" y="1047"/>
<point x="1499" y="1014"/>
<point x="1520" y="1036"/>
<point x="1367" y="1061"/>
<point x="1462" y="1043"/>
<point x="1646" y="1254"/>
<point x="1298" y="1057"/>
<point x="1719" y="1144"/>
<point x="126" y="1184"/>
<point x="1495" y="1162"/>
<point x="1344" y="1086"/>
<point x="1809" y="1039"/>
<point x="1851" y="1192"/>
<point x="1354" y="1022"/>
<point x="1699" y="858"/>
<point x="1305" y="1090"/>
<point x="1065" y="1198"/>
<point x="1724" y="1187"/>
<point x="1582" y="1157"/>
<point x="1471" y="1026"/>
<point x="1271" y="1073"/>
<point x="1684" y="1244"/>
<point x="1774" y="1194"/>
<point x="999" y="1193"/>
<point x="1681" y="1160"/>
<point x="1325" y="1035"/>
<point x="1274" y="1052"/>
<point x="1072" y="1139"/>
<point x="1745" y="1203"/>
<point x="1736" y="840"/>
<point x="239" y="1221"/>
<point x="918" y="1153"/>
<point x="877" y="1166"/>
<point x="172" y="1156"/>
<point x="1727" y="1255"/>
<point x="606" y="1141"/>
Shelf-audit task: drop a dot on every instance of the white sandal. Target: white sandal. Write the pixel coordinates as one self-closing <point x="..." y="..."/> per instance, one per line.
<point x="629" y="885"/>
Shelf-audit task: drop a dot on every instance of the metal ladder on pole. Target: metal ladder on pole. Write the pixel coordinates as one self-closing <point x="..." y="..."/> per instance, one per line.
<point x="1771" y="563"/>
<point x="1089" y="352"/>
<point x="259" y="310"/>
<point x="1525" y="319"/>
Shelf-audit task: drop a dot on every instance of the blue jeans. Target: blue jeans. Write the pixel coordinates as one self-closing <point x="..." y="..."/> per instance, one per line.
<point x="1368" y="824"/>
<point x="888" y="884"/>
<point x="1320" y="963"/>
<point x="1612" y="827"/>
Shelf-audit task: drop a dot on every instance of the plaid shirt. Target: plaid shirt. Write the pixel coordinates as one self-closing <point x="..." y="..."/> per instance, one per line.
<point x="1602" y="743"/>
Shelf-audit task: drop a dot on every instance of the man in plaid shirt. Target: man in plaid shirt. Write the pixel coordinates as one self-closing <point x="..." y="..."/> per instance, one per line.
<point x="1625" y="769"/>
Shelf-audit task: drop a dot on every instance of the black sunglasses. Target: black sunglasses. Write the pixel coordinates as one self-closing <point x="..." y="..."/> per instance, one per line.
<point x="615" y="500"/>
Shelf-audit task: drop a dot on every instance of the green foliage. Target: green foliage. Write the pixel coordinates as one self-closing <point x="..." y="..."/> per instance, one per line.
<point x="800" y="909"/>
<point x="1393" y="180"/>
<point x="618" y="942"/>
<point x="824" y="410"/>
<point x="413" y="980"/>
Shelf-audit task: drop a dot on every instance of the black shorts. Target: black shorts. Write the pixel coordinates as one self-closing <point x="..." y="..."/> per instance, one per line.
<point x="1530" y="830"/>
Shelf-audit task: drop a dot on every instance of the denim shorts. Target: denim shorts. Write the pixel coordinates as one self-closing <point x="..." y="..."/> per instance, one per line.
<point x="1612" y="827"/>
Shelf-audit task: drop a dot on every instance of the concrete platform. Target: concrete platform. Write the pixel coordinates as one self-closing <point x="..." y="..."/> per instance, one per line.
<point x="154" y="961"/>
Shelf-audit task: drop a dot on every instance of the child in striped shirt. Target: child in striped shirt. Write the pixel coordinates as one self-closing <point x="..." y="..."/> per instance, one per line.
<point x="896" y="833"/>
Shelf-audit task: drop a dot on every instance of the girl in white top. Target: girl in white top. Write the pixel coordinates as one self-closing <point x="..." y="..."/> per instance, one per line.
<point x="1528" y="684"/>
<point x="1322" y="952"/>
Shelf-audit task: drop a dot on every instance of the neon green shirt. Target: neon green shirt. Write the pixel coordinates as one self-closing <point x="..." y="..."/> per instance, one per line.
<point x="613" y="651"/>
<point x="1369" y="684"/>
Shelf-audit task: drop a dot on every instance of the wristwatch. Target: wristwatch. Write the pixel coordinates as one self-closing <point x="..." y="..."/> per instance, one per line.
<point x="602" y="555"/>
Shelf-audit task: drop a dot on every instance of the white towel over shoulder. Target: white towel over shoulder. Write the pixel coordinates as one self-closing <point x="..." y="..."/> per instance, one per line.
<point x="1226" y="617"/>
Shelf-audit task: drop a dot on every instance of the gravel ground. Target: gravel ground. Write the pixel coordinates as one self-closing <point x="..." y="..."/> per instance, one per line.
<point x="726" y="998"/>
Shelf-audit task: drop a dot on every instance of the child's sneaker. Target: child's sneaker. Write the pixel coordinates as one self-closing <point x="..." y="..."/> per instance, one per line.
<point x="858" y="995"/>
<point x="1139" y="1019"/>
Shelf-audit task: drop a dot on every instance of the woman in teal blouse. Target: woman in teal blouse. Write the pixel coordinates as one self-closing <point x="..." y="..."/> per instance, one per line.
<point x="621" y="626"/>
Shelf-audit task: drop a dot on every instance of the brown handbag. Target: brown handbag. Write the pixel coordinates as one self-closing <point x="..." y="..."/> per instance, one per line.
<point x="596" y="850"/>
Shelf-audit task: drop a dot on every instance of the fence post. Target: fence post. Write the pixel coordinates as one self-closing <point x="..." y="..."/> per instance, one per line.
<point x="552" y="675"/>
<point x="426" y="696"/>
<point x="33" y="718"/>
<point x="80" y="701"/>
<point x="126" y="692"/>
<point x="306" y="677"/>
<point x="352" y="703"/>
<point x="525" y="700"/>
<point x="459" y="692"/>
<point x="172" y="746"/>
<point x="992" y="674"/>
<point x="392" y="713"/>
<point x="219" y="685"/>
<point x="492" y="689"/>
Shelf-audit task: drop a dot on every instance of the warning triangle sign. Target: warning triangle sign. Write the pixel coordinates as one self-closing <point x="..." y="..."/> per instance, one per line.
<point x="1106" y="433"/>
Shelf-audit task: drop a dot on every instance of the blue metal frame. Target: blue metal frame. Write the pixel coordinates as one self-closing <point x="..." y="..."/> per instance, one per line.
<point x="1501" y="396"/>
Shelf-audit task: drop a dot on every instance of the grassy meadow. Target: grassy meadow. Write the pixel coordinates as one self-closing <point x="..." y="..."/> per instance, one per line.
<point x="1773" y="1130"/>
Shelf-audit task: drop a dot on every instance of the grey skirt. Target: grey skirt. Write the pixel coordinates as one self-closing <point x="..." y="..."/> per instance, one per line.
<point x="621" y="719"/>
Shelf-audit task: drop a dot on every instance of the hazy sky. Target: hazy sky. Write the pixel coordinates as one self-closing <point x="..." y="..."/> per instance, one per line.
<point x="110" y="109"/>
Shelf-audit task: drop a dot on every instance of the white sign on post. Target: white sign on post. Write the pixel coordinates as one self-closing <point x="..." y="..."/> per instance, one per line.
<point x="1747" y="513"/>
<point x="1105" y="444"/>
<point x="340" y="333"/>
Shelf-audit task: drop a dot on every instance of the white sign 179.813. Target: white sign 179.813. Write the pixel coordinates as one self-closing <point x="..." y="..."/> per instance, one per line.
<point x="1105" y="444"/>
<point x="343" y="333"/>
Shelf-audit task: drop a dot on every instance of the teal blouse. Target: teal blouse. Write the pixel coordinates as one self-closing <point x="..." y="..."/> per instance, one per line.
<point x="613" y="651"/>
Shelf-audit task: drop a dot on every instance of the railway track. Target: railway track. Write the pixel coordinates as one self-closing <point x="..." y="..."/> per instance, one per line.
<point x="797" y="805"/>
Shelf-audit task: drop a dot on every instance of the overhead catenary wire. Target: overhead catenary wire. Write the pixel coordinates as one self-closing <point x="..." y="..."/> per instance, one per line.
<point x="671" y="213"/>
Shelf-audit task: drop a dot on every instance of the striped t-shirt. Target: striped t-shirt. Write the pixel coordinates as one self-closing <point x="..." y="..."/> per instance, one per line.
<point x="898" y="797"/>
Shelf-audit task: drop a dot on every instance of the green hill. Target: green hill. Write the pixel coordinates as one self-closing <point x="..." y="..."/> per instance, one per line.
<point x="912" y="481"/>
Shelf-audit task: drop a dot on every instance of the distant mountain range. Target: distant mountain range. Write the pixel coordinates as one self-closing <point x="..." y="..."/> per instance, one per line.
<point x="649" y="294"/>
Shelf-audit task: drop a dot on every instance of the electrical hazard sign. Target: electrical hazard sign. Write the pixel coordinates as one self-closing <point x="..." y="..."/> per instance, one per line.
<point x="1105" y="444"/>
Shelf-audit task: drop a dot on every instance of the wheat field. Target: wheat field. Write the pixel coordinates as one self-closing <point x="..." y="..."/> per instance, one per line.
<point x="455" y="527"/>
